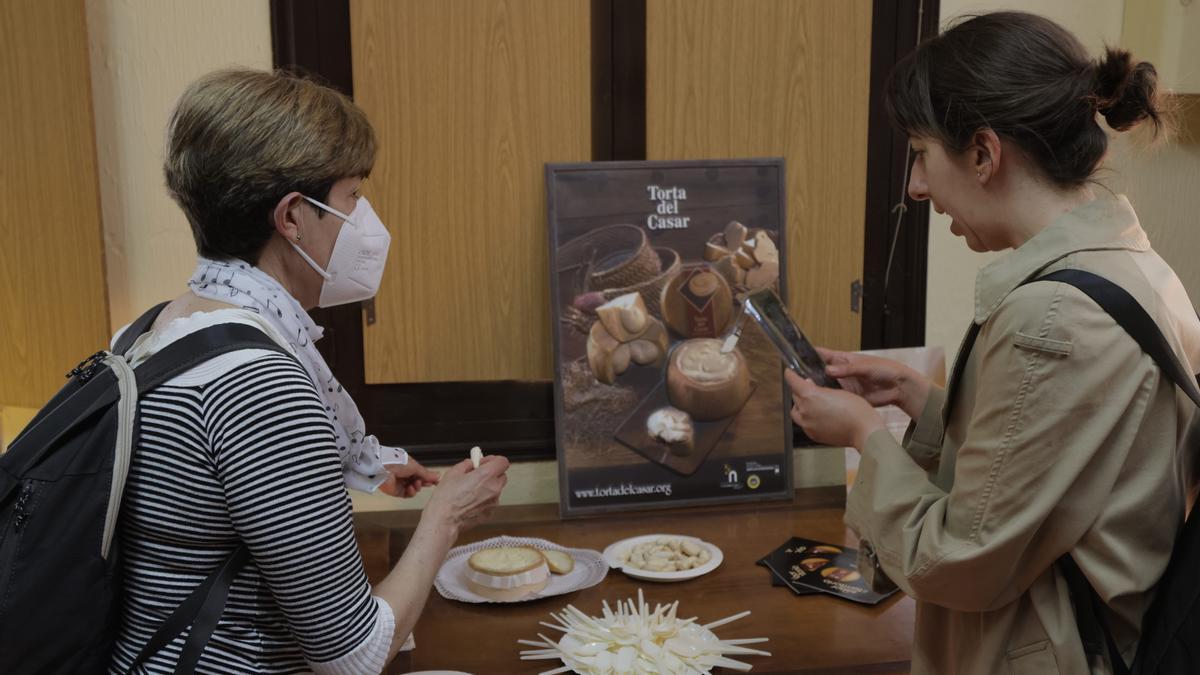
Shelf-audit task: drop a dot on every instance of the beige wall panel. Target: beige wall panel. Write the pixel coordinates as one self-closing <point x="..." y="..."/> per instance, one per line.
<point x="1160" y="180"/>
<point x="738" y="78"/>
<point x="53" y="310"/>
<point x="144" y="53"/>
<point x="12" y="422"/>
<point x="470" y="98"/>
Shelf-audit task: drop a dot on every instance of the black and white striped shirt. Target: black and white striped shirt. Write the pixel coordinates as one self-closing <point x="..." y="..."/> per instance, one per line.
<point x="239" y="450"/>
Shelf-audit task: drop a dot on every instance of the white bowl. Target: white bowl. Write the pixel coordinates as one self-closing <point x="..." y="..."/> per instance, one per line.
<point x="613" y="553"/>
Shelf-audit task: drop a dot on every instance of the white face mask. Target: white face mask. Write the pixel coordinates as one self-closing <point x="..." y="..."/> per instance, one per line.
<point x="359" y="254"/>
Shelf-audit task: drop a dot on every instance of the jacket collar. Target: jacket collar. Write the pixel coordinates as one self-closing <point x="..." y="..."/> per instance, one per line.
<point x="1105" y="223"/>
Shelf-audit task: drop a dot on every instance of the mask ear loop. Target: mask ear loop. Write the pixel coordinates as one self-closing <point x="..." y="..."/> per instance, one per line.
<point x="308" y="259"/>
<point x="330" y="209"/>
<point x="311" y="263"/>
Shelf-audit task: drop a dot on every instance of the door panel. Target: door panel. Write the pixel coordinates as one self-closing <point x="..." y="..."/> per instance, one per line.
<point x="52" y="290"/>
<point x="771" y="78"/>
<point x="470" y="98"/>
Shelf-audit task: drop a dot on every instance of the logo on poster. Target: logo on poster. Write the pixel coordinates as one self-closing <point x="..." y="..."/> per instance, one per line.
<point x="731" y="478"/>
<point x="666" y="215"/>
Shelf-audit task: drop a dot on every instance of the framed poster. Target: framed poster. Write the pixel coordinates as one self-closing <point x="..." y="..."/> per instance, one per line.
<point x="649" y="262"/>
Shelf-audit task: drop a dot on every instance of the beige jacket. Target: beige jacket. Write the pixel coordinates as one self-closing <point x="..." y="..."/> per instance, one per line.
<point x="1064" y="439"/>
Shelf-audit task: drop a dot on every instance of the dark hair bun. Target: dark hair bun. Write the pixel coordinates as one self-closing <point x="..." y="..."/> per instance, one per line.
<point x="1126" y="92"/>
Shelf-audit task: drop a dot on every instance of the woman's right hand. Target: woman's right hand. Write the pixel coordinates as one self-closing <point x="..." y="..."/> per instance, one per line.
<point x="465" y="496"/>
<point x="878" y="380"/>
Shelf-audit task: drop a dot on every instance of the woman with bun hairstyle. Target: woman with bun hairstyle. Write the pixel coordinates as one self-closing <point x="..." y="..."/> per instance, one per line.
<point x="1060" y="436"/>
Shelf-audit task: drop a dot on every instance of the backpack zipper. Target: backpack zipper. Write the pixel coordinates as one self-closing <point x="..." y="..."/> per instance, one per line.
<point x="88" y="367"/>
<point x="22" y="510"/>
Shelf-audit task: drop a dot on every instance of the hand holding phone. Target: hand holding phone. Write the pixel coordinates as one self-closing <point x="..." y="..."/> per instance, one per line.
<point x="768" y="311"/>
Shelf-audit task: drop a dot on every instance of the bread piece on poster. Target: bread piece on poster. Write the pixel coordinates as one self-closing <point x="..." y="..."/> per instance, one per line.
<point x="705" y="382"/>
<point x="624" y="317"/>
<point x="714" y="251"/>
<point x="735" y="234"/>
<point x="672" y="427"/>
<point x="620" y="359"/>
<point x="733" y="274"/>
<point x="764" y="249"/>
<point x="651" y="348"/>
<point x="745" y="259"/>
<point x="762" y="276"/>
<point x="601" y="351"/>
<point x="609" y="355"/>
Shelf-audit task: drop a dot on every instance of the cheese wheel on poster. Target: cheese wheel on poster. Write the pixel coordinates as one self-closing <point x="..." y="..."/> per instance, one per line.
<point x="705" y="382"/>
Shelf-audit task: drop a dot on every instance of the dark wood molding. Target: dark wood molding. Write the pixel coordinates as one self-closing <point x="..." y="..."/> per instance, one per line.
<point x="602" y="80"/>
<point x="312" y="37"/>
<point x="439" y="421"/>
<point x="895" y="317"/>
<point x="618" y="80"/>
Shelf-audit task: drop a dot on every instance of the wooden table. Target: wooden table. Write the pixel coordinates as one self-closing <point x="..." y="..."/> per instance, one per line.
<point x="808" y="635"/>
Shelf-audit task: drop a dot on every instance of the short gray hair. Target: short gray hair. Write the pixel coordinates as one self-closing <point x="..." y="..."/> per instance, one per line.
<point x="241" y="139"/>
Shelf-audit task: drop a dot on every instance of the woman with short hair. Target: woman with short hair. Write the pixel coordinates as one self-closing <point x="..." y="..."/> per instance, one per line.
<point x="255" y="447"/>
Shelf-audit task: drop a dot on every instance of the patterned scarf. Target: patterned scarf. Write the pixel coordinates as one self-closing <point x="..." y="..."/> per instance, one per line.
<point x="239" y="283"/>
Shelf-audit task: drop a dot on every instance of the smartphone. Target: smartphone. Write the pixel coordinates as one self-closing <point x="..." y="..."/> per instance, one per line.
<point x="768" y="311"/>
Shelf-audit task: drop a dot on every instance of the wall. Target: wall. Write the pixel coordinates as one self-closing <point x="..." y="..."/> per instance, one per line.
<point x="51" y="232"/>
<point x="1160" y="181"/>
<point x="143" y="54"/>
<point x="12" y="420"/>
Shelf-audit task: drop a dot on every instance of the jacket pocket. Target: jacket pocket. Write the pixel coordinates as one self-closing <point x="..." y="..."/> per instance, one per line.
<point x="1039" y="344"/>
<point x="1035" y="659"/>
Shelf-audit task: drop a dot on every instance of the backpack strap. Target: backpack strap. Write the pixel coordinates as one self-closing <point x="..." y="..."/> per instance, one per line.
<point x="137" y="328"/>
<point x="1090" y="619"/>
<point x="960" y="366"/>
<point x="1129" y="314"/>
<point x="130" y="335"/>
<point x="1089" y="608"/>
<point x="201" y="609"/>
<point x="1125" y="310"/>
<point x="101" y="390"/>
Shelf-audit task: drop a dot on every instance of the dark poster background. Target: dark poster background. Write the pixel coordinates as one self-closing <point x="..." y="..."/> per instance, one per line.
<point x="597" y="214"/>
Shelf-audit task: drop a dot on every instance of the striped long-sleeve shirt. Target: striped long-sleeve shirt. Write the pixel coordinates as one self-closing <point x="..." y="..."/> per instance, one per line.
<point x="239" y="450"/>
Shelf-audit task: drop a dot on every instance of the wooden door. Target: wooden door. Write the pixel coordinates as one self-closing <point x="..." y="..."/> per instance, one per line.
<point x="470" y="98"/>
<point x="776" y="78"/>
<point x="52" y="290"/>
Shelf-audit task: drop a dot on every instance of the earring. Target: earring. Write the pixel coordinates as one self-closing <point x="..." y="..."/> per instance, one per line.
<point x="977" y="173"/>
<point x="298" y="234"/>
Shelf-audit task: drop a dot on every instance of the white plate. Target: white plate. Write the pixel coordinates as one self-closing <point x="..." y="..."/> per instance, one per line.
<point x="612" y="555"/>
<point x="590" y="569"/>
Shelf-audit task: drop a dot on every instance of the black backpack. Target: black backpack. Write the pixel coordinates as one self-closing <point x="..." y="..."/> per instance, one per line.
<point x="60" y="493"/>
<point x="1170" y="642"/>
